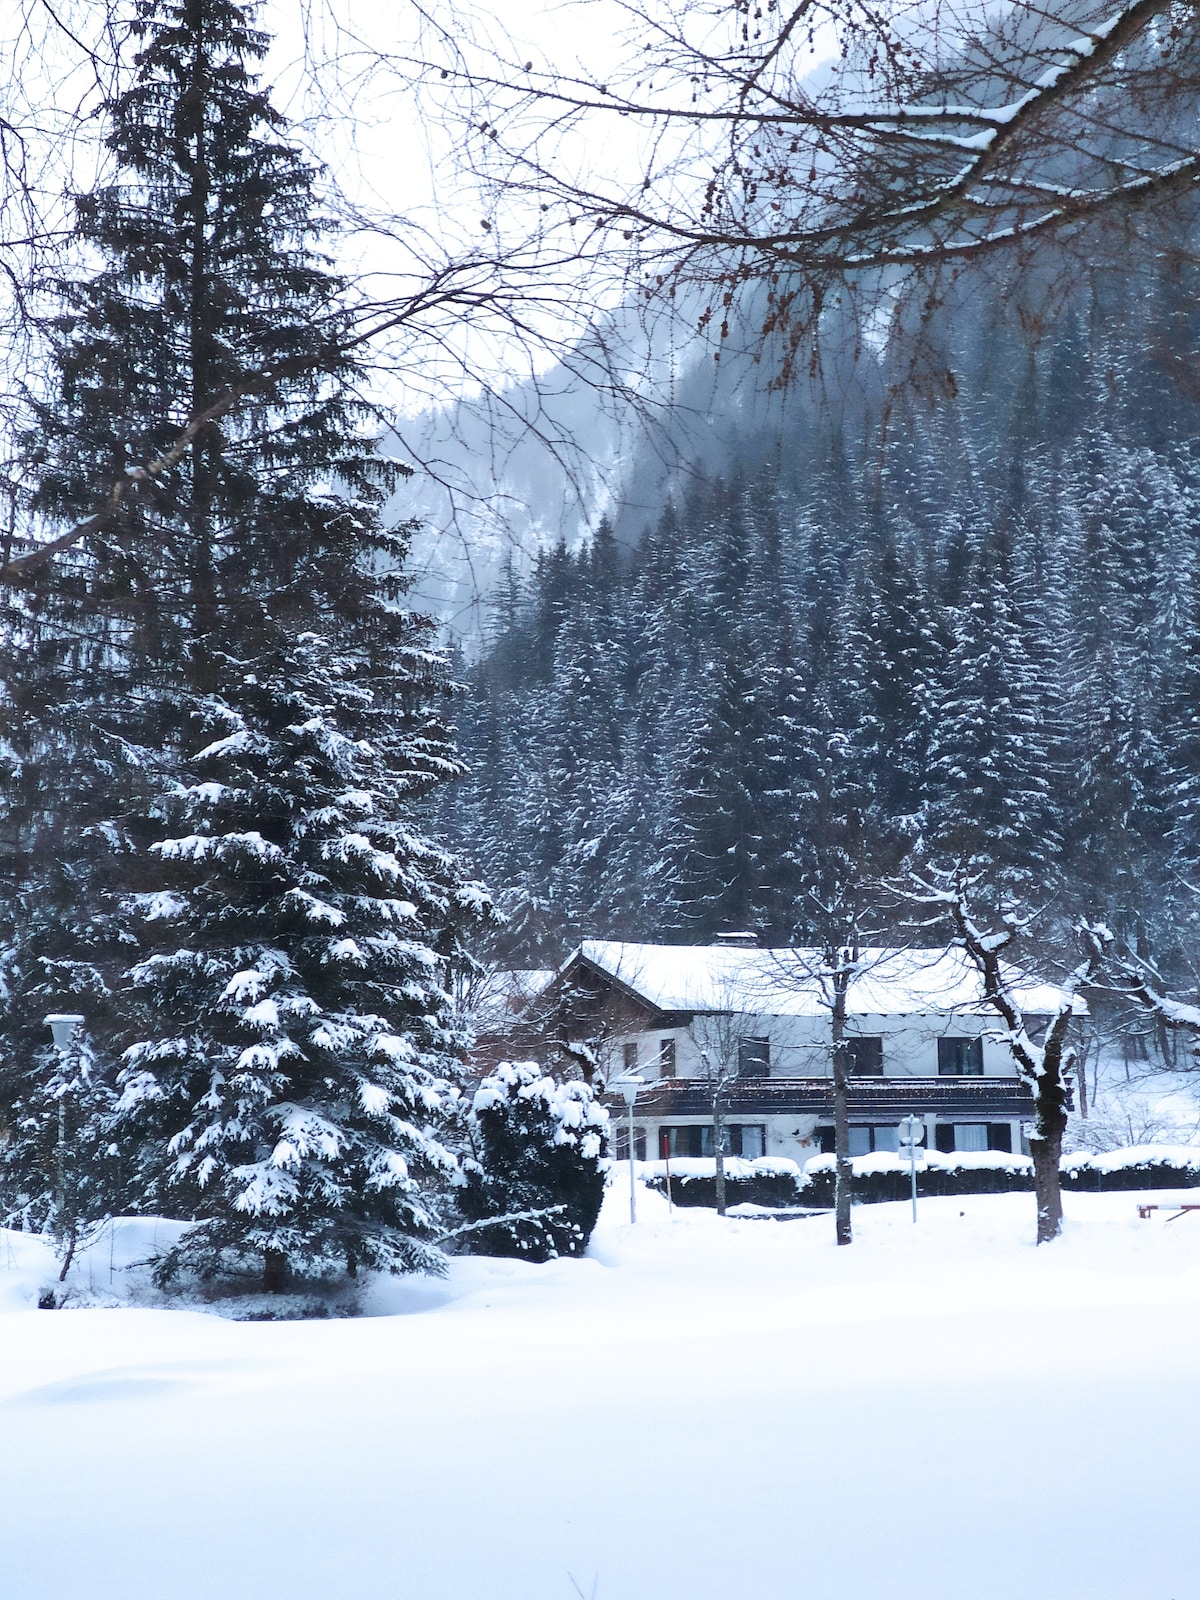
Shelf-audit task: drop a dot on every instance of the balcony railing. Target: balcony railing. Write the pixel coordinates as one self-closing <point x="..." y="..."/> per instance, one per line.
<point x="981" y="1099"/>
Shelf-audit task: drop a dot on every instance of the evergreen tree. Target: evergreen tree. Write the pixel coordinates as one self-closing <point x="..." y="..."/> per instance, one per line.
<point x="286" y="1024"/>
<point x="539" y="1167"/>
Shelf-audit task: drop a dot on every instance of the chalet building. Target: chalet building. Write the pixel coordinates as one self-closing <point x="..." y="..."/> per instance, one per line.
<point x="686" y="1019"/>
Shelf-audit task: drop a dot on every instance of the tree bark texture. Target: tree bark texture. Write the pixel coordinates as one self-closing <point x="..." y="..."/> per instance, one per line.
<point x="841" y="1115"/>
<point x="719" y="1147"/>
<point x="274" y="1272"/>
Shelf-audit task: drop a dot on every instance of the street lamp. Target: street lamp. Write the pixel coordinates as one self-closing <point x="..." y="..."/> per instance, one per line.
<point x="63" y="1025"/>
<point x="629" y="1088"/>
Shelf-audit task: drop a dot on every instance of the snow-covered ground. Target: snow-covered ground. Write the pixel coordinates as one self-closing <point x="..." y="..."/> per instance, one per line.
<point x="701" y="1409"/>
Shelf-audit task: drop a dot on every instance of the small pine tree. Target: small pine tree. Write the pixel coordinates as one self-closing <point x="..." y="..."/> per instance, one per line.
<point x="539" y="1167"/>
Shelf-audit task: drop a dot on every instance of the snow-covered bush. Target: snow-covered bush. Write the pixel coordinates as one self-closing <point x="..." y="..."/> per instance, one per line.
<point x="766" y="1181"/>
<point x="885" y="1176"/>
<point x="1141" y="1166"/>
<point x="540" y="1158"/>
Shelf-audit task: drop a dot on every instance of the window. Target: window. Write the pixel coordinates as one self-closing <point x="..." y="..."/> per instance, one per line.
<point x="866" y="1057"/>
<point x="666" y="1058"/>
<point x="630" y="1056"/>
<point x="754" y="1058"/>
<point x="863" y="1141"/>
<point x="686" y="1142"/>
<point x="960" y="1058"/>
<point x="967" y="1136"/>
<point x="748" y="1140"/>
<point x="621" y="1142"/>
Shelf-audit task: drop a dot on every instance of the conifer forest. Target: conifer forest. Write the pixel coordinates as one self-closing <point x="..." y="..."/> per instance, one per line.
<point x="967" y="632"/>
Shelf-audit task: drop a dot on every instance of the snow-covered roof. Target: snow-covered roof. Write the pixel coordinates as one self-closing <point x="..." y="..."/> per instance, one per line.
<point x="793" y="982"/>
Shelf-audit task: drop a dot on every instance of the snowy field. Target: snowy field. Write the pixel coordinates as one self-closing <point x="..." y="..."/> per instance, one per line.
<point x="700" y="1409"/>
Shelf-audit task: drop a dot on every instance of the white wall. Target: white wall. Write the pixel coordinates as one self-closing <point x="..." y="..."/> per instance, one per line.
<point x="800" y="1046"/>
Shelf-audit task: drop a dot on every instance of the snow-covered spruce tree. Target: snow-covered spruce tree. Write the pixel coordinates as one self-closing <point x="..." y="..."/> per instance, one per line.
<point x="540" y="1161"/>
<point x="286" y="1025"/>
<point x="59" y="1169"/>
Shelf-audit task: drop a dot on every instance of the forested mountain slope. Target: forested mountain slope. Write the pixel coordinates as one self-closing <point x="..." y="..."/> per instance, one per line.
<point x="888" y="626"/>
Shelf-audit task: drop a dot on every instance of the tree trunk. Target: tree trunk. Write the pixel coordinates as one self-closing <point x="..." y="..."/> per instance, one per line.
<point x="274" y="1271"/>
<point x="841" y="1142"/>
<point x="1050" y="1096"/>
<point x="1047" y="1186"/>
<point x="719" y="1151"/>
<point x="1045" y="1146"/>
<point x="841" y="1117"/>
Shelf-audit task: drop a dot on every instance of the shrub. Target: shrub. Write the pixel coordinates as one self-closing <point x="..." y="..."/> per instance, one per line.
<point x="1139" y="1166"/>
<point x="767" y="1181"/>
<point x="538" y="1167"/>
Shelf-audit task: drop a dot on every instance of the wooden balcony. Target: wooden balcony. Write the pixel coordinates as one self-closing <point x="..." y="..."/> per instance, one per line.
<point x="870" y="1099"/>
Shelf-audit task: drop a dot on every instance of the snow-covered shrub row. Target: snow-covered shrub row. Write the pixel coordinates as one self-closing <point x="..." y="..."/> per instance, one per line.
<point x="1138" y="1166"/>
<point x="538" y="1165"/>
<point x="766" y="1181"/>
<point x="885" y="1176"/>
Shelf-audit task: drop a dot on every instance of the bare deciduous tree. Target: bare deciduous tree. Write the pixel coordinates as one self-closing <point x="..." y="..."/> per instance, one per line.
<point x="1047" y="1066"/>
<point x="787" y="149"/>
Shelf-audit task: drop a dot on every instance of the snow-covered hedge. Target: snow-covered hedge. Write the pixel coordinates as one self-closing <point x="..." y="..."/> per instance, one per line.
<point x="1138" y="1166"/>
<point x="765" y="1181"/>
<point x="885" y="1176"/>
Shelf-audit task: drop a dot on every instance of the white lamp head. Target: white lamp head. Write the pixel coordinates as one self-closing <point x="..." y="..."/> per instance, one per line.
<point x="64" y="1025"/>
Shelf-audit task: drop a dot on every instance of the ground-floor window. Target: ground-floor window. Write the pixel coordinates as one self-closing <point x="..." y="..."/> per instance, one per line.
<point x="620" y="1142"/>
<point x="864" y="1140"/>
<point x="951" y="1137"/>
<point x="748" y="1140"/>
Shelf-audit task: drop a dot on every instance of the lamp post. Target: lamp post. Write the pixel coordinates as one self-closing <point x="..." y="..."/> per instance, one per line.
<point x="912" y="1131"/>
<point x="629" y="1088"/>
<point x="63" y="1025"/>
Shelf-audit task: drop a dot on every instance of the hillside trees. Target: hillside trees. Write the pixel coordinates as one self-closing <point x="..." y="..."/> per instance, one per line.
<point x="262" y="711"/>
<point x="940" y="623"/>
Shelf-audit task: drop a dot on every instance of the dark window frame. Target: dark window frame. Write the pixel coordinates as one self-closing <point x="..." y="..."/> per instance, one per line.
<point x="869" y="1046"/>
<point x="754" y="1056"/>
<point x="960" y="1056"/>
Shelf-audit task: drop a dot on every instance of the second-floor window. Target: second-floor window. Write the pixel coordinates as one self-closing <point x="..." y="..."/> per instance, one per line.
<point x="754" y="1058"/>
<point x="866" y="1057"/>
<point x="666" y="1058"/>
<point x="960" y="1058"/>
<point x="630" y="1057"/>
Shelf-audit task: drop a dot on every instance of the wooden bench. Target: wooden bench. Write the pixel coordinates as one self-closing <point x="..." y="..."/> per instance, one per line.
<point x="1144" y="1211"/>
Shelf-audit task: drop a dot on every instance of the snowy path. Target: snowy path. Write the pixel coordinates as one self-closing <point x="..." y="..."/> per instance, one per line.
<point x="702" y="1409"/>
